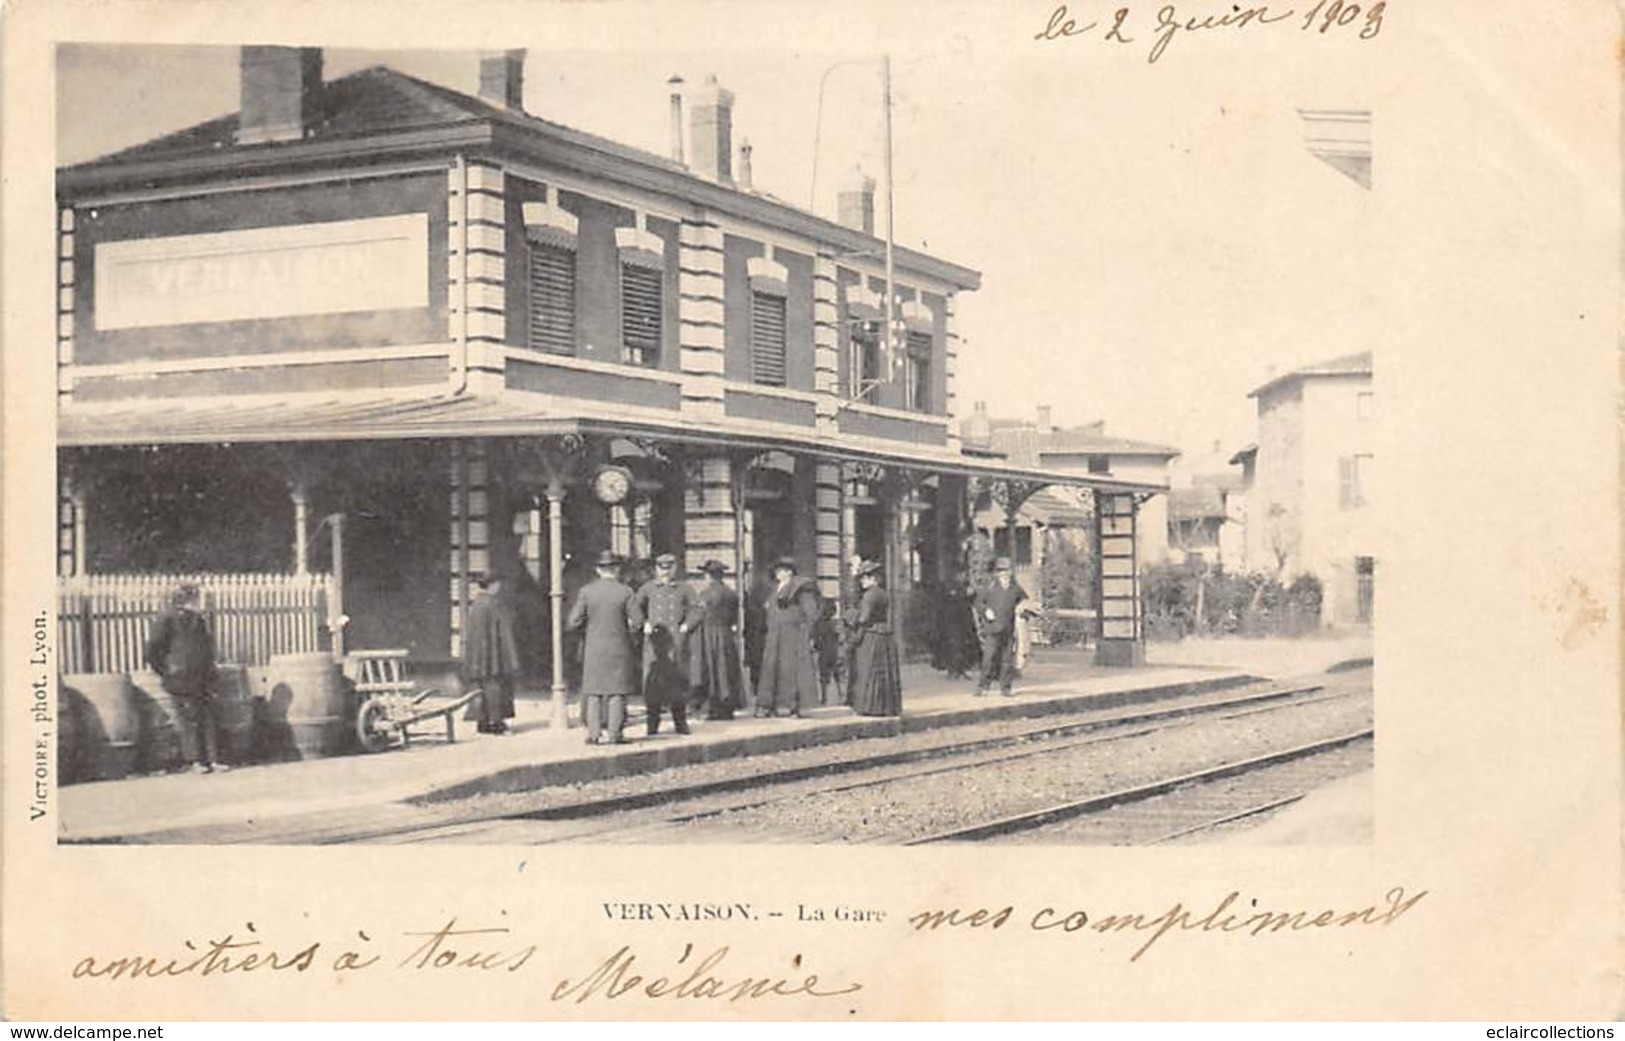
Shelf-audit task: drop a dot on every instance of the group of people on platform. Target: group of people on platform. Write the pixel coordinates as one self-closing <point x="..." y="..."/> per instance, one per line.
<point x="677" y="645"/>
<point x="673" y="643"/>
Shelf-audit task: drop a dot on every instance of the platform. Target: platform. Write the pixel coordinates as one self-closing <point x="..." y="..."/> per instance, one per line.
<point x="535" y="755"/>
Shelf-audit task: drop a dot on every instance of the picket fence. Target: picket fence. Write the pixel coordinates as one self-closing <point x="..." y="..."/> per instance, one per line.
<point x="103" y="620"/>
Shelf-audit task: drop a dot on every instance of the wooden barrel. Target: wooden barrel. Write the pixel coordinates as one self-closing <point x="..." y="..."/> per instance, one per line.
<point x="160" y="742"/>
<point x="111" y="725"/>
<point x="309" y="693"/>
<point x="234" y="713"/>
<point x="70" y="740"/>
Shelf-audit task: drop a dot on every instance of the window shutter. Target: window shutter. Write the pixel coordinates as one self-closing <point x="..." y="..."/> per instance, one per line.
<point x="552" y="299"/>
<point x="640" y="314"/>
<point x="1345" y="481"/>
<point x="767" y="339"/>
<point x="919" y="354"/>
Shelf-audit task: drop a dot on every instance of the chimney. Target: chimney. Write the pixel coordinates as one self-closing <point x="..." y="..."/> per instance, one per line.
<point x="978" y="429"/>
<point x="744" y="165"/>
<point x="281" y="93"/>
<point x="855" y="202"/>
<point x="502" y="79"/>
<point x="711" y="131"/>
<point x="676" y="85"/>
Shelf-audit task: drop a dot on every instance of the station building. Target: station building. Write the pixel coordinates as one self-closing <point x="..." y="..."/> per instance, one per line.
<point x="379" y="327"/>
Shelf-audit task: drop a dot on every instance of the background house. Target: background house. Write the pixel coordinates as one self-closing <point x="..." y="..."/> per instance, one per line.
<point x="1308" y="496"/>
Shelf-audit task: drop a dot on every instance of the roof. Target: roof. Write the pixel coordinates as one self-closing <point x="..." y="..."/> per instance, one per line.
<point x="1202" y="502"/>
<point x="1347" y="365"/>
<point x="1057" y="508"/>
<point x="378" y="114"/>
<point x="346" y="416"/>
<point x="1027" y="445"/>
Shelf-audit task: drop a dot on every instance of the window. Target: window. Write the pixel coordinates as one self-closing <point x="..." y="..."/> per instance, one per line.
<point x="1354" y="473"/>
<point x="630" y="529"/>
<point x="863" y="369"/>
<point x="552" y="287"/>
<point x="641" y="307"/>
<point x="917" y="371"/>
<point x="1100" y="464"/>
<point x="1365" y="573"/>
<point x="767" y="339"/>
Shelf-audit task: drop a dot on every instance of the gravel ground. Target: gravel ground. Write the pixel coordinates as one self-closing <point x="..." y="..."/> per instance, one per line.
<point x="909" y="809"/>
<point x="678" y="779"/>
<point x="896" y="810"/>
<point x="1166" y="816"/>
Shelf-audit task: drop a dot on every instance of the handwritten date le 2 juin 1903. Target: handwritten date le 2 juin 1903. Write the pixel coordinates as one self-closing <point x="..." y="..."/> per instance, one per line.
<point x="1124" y="26"/>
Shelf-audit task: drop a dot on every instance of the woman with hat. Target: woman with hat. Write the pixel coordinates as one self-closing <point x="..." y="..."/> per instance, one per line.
<point x="877" y="683"/>
<point x="789" y="680"/>
<point x="713" y="663"/>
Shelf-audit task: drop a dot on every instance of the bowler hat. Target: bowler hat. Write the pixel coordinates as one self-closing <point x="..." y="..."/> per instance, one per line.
<point x="714" y="567"/>
<point x="870" y="567"/>
<point x="788" y="564"/>
<point x="1001" y="564"/>
<point x="607" y="559"/>
<point x="666" y="560"/>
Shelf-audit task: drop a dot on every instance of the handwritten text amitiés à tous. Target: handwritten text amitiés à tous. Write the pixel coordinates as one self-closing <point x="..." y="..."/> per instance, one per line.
<point x="693" y="973"/>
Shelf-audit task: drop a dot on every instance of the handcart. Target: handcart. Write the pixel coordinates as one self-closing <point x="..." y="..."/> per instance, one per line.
<point x="391" y="703"/>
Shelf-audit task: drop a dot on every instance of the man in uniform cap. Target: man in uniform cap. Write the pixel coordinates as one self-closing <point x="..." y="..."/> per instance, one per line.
<point x="607" y="671"/>
<point x="995" y="609"/>
<point x="664" y="609"/>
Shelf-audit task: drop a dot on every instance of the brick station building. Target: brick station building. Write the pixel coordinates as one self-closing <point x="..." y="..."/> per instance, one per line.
<point x="442" y="322"/>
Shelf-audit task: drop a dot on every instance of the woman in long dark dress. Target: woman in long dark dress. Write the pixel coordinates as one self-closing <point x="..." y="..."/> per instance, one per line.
<point x="877" y="688"/>
<point x="714" y="677"/>
<point x="789" y="681"/>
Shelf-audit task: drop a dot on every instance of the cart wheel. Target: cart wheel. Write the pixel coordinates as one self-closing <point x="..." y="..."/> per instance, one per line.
<point x="372" y="727"/>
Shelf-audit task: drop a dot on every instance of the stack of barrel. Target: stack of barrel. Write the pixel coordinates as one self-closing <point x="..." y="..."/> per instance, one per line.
<point x="110" y="725"/>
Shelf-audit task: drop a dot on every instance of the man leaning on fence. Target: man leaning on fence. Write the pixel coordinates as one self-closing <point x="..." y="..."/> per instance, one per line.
<point x="181" y="651"/>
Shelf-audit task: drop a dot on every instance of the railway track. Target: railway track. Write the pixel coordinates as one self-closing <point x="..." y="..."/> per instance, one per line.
<point x="1179" y="806"/>
<point x="771" y="807"/>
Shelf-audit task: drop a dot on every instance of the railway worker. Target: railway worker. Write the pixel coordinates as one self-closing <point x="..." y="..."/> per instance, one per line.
<point x="661" y="608"/>
<point x="789" y="681"/>
<point x="996" y="621"/>
<point x="608" y="669"/>
<point x="877" y="687"/>
<point x="713" y="654"/>
<point x="180" y="649"/>
<point x="491" y="653"/>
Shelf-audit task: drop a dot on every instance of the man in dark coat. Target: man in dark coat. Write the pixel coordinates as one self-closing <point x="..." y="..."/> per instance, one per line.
<point x="661" y="608"/>
<point x="755" y="593"/>
<point x="180" y="649"/>
<point x="714" y="654"/>
<point x="608" y="669"/>
<point x="491" y="653"/>
<point x="996" y="620"/>
<point x="789" y="681"/>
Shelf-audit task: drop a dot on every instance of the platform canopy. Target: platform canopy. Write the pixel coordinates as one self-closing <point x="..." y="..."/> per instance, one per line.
<point x="387" y="416"/>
